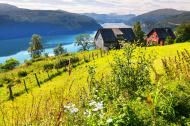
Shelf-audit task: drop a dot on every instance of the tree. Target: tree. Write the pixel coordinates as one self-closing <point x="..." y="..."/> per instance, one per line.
<point x="139" y="33"/>
<point x="85" y="41"/>
<point x="10" y="64"/>
<point x="1" y="67"/>
<point x="183" y="33"/>
<point x="59" y="50"/>
<point x="169" y="40"/>
<point x="36" y="47"/>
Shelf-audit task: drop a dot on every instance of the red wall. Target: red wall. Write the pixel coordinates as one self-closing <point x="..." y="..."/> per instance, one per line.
<point x="153" y="39"/>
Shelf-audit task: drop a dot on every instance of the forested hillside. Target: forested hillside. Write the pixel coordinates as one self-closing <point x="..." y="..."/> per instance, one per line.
<point x="161" y="18"/>
<point x="17" y="22"/>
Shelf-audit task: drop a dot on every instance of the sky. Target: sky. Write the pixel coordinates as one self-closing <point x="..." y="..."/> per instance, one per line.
<point x="101" y="6"/>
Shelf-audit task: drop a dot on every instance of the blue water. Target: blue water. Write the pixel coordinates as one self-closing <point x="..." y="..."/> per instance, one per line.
<point x="17" y="48"/>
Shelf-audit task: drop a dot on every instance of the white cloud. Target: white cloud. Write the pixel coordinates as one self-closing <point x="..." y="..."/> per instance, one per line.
<point x="102" y="6"/>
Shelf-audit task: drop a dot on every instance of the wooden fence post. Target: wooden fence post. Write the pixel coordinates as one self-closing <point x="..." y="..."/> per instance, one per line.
<point x="37" y="80"/>
<point x="84" y="58"/>
<point x="10" y="92"/>
<point x="89" y="57"/>
<point x="48" y="75"/>
<point x="101" y="52"/>
<point x="93" y="55"/>
<point x="25" y="86"/>
<point x="78" y="61"/>
<point x="69" y="67"/>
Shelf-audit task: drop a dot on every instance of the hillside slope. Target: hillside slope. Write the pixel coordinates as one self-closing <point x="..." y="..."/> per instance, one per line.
<point x="17" y="22"/>
<point x="41" y="102"/>
<point x="175" y="20"/>
<point x="154" y="18"/>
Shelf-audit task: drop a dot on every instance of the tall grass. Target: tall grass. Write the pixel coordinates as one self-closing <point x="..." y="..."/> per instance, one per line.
<point x="125" y="96"/>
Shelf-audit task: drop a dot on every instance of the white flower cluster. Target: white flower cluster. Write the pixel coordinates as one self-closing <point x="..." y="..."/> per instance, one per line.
<point x="97" y="105"/>
<point x="71" y="108"/>
<point x="110" y="120"/>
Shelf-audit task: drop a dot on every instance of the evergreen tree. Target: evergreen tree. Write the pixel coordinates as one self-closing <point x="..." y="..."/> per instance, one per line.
<point x="183" y="33"/>
<point x="36" y="47"/>
<point x="139" y="33"/>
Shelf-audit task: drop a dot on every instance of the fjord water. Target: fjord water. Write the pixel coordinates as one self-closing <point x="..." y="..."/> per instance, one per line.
<point x="17" y="48"/>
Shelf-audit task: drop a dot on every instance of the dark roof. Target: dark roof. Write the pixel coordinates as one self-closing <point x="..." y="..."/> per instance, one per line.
<point x="107" y="35"/>
<point x="162" y="33"/>
<point x="128" y="34"/>
<point x="111" y="34"/>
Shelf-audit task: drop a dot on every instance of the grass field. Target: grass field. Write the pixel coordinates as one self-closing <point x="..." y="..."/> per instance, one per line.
<point x="65" y="88"/>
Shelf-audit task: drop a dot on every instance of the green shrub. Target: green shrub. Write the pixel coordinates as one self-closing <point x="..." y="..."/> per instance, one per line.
<point x="169" y="40"/>
<point x="61" y="63"/>
<point x="1" y="85"/>
<point x="86" y="59"/>
<point x="37" y="59"/>
<point x="183" y="33"/>
<point x="5" y="80"/>
<point x="178" y="67"/>
<point x="28" y="62"/>
<point x="10" y="64"/>
<point x="22" y="74"/>
<point x="48" y="66"/>
<point x="130" y="72"/>
<point x="74" y="59"/>
<point x="46" y="55"/>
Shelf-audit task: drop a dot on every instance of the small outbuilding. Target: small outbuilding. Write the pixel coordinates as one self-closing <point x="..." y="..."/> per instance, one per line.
<point x="107" y="38"/>
<point x="158" y="36"/>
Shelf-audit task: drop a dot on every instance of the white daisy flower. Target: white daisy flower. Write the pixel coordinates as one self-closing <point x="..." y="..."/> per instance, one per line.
<point x="109" y="121"/>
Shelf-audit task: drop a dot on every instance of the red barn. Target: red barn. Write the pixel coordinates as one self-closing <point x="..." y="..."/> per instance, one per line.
<point x="158" y="36"/>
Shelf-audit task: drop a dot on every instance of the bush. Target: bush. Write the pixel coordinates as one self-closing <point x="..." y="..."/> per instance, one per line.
<point x="22" y="74"/>
<point x="10" y="64"/>
<point x="178" y="67"/>
<point x="1" y="69"/>
<point x="46" y="55"/>
<point x="130" y="72"/>
<point x="183" y="33"/>
<point x="86" y="59"/>
<point x="169" y="40"/>
<point x="61" y="63"/>
<point x="5" y="80"/>
<point x="48" y="67"/>
<point x="37" y="59"/>
<point x="1" y="85"/>
<point x="28" y="62"/>
<point x="173" y="105"/>
<point x="74" y="59"/>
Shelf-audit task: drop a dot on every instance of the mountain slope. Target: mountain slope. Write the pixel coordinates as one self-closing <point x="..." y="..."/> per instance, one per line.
<point x="157" y="15"/>
<point x="151" y="18"/>
<point x="17" y="22"/>
<point x="110" y="18"/>
<point x="174" y="20"/>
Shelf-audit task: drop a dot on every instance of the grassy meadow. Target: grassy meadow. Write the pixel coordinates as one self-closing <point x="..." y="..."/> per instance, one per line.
<point x="91" y="79"/>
